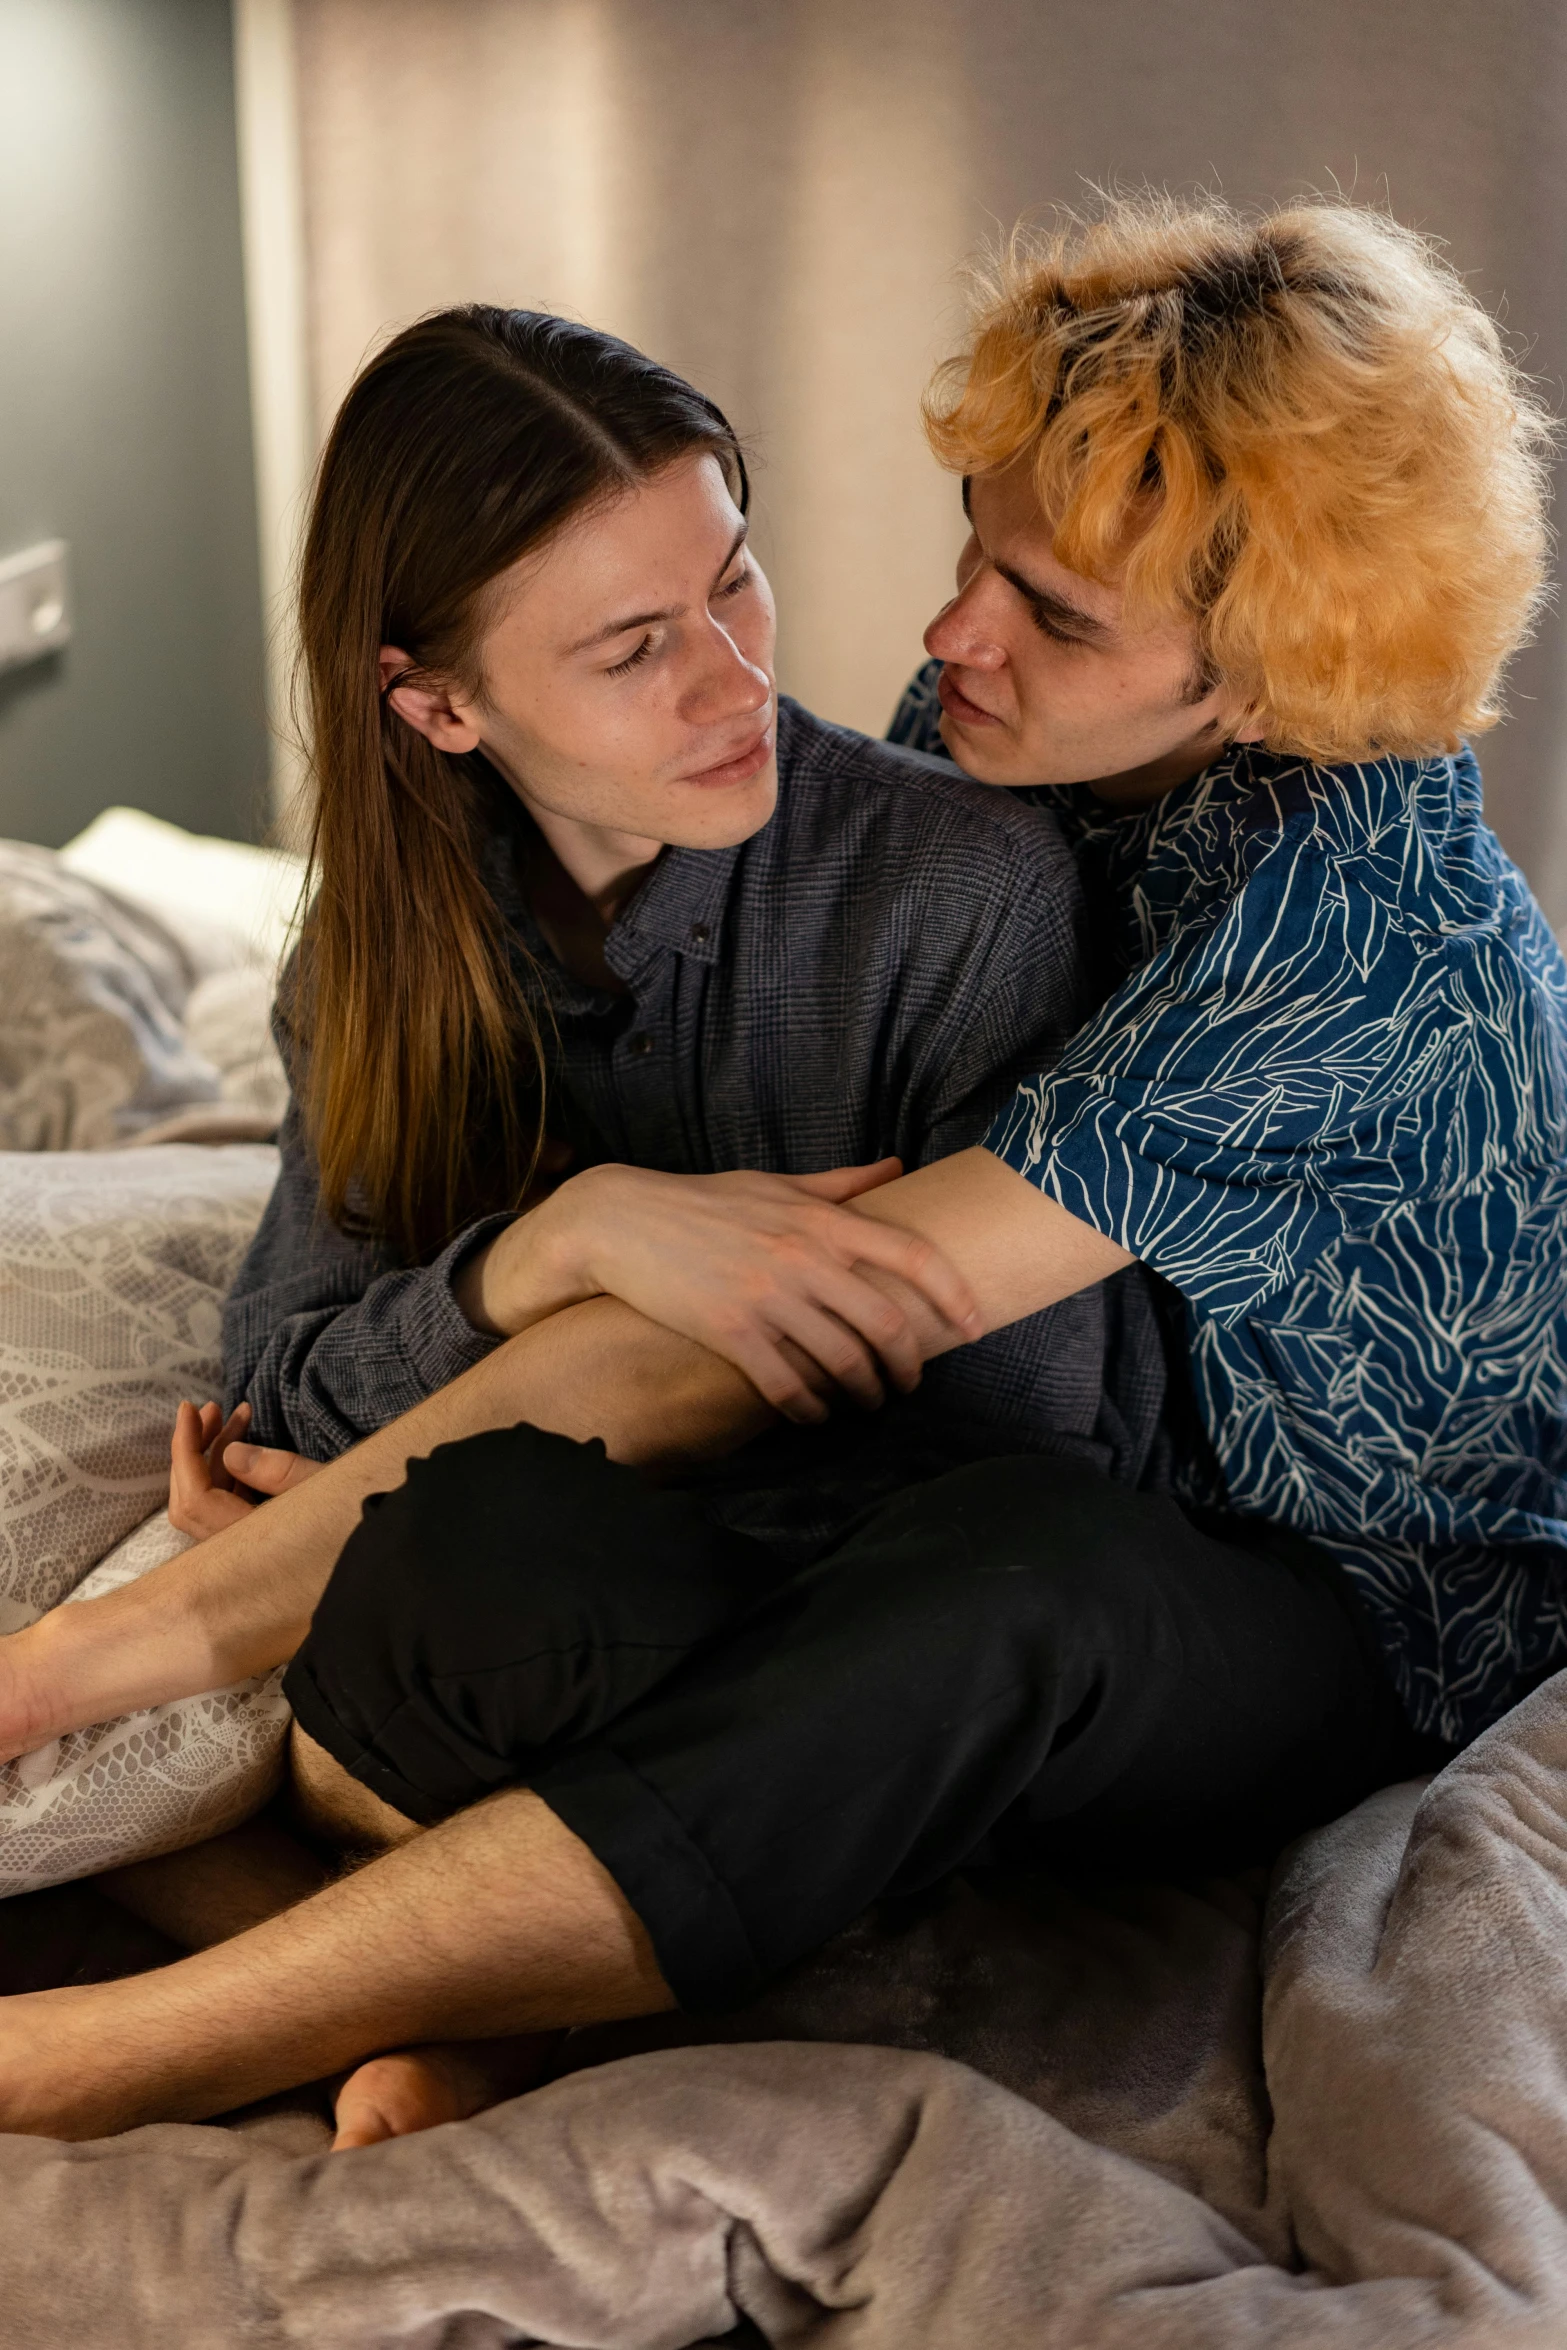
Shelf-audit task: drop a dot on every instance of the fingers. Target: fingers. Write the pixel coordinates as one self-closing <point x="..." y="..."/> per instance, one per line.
<point x="918" y="1262"/>
<point x="208" y="1513"/>
<point x="841" y="1352"/>
<point x="781" y="1375"/>
<point x="803" y="1348"/>
<point x="232" y="1432"/>
<point x="267" y="1468"/>
<point x="841" y="1183"/>
<point x="859" y="1308"/>
<point x="190" y="1480"/>
<point x="206" y="1461"/>
<point x="187" y="1442"/>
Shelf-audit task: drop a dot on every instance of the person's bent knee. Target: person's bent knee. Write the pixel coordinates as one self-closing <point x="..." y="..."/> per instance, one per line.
<point x="514" y="1595"/>
<point x="334" y="1807"/>
<point x="1047" y="1548"/>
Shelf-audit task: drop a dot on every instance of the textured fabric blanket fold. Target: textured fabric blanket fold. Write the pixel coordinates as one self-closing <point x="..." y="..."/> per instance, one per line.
<point x="1415" y="2034"/>
<point x="828" y="2197"/>
<point x="836" y="2196"/>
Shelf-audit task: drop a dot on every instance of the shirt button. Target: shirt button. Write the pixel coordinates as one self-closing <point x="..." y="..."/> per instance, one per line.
<point x="700" y="934"/>
<point x="640" y="1044"/>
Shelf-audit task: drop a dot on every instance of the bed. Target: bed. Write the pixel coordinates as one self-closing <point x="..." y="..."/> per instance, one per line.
<point x="1321" y="2107"/>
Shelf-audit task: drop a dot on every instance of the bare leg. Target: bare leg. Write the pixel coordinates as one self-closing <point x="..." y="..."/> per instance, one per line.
<point x="413" y="2088"/>
<point x="331" y="1805"/>
<point x="497" y="1923"/>
<point x="218" y="1889"/>
<point x="215" y="1890"/>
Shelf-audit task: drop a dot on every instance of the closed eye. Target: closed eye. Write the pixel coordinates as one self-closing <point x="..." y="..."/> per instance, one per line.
<point x="1049" y="612"/>
<point x="732" y="587"/>
<point x="1047" y="627"/>
<point x="632" y="660"/>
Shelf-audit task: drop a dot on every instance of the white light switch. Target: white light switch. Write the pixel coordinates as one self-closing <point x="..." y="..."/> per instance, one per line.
<point x="35" y="602"/>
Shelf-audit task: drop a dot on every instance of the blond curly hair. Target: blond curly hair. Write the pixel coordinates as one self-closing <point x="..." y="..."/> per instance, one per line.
<point x="1300" y="429"/>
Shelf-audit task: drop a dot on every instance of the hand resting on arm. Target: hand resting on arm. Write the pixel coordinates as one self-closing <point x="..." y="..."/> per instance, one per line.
<point x="241" y="1602"/>
<point x="764" y="1269"/>
<point x="771" y="1273"/>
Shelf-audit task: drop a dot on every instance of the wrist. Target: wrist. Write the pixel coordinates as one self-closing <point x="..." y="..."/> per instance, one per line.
<point x="92" y="1660"/>
<point x="26" y="1699"/>
<point x="531" y="1270"/>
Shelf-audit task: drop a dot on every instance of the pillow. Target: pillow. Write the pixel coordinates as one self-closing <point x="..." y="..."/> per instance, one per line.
<point x="227" y="902"/>
<point x="113" y="1269"/>
<point x="149" y="1782"/>
<point x="123" y="1021"/>
<point x="94" y="993"/>
<point x="228" y="1020"/>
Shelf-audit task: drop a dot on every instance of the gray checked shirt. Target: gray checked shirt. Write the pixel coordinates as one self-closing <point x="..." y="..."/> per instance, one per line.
<point x="875" y="971"/>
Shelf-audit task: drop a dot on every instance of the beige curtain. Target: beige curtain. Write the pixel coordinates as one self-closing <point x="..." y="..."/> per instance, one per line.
<point x="776" y="197"/>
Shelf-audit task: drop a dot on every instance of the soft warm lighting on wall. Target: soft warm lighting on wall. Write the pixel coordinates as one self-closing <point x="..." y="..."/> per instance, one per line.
<point x="271" y="211"/>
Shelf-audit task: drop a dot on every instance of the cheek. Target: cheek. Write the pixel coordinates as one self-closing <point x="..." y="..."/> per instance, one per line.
<point x="569" y="736"/>
<point x="1050" y="679"/>
<point x="755" y="629"/>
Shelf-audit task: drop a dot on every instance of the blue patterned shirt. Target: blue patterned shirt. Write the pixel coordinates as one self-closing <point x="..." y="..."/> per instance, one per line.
<point x="1327" y="1099"/>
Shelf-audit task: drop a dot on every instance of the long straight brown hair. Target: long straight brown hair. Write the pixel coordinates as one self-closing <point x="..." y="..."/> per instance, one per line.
<point x="462" y="446"/>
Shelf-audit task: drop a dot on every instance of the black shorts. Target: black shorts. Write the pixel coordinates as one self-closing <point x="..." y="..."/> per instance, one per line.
<point x="1018" y="1661"/>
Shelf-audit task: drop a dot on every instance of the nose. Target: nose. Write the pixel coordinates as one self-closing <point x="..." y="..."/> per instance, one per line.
<point x="963" y="631"/>
<point x="727" y="683"/>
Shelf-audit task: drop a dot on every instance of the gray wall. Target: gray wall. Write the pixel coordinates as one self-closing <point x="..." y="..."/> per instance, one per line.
<point x="124" y="416"/>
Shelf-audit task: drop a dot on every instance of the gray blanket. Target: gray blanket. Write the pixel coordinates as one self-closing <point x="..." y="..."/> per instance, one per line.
<point x="1134" y="2150"/>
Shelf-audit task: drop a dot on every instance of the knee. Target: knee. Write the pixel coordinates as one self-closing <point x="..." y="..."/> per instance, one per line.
<point x="1048" y="1549"/>
<point x="520" y="1518"/>
<point x="332" y="1807"/>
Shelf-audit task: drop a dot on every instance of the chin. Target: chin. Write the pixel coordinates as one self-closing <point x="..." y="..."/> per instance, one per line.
<point x="722" y="819"/>
<point x="984" y="756"/>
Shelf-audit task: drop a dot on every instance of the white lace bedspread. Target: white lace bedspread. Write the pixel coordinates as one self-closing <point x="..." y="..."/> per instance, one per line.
<point x="113" y="1267"/>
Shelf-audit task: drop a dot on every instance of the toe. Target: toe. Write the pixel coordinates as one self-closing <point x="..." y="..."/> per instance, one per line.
<point x="393" y="2097"/>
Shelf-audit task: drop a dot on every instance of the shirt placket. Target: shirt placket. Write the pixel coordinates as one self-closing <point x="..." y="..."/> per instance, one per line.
<point x="646" y="1066"/>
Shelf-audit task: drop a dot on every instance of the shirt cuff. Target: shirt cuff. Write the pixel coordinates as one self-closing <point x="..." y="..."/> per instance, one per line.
<point x="441" y="1341"/>
<point x="1225" y="1242"/>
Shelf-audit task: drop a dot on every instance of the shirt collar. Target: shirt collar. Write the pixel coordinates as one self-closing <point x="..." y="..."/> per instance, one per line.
<point x="1230" y="777"/>
<point x="679" y="907"/>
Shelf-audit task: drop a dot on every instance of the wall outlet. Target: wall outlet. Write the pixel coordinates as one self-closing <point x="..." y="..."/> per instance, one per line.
<point x="35" y="602"/>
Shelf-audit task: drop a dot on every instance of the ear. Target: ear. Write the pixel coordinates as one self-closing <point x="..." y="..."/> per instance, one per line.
<point x="440" y="713"/>
<point x="1235" y="722"/>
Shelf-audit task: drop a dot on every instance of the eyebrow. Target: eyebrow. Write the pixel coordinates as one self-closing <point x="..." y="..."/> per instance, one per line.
<point x="1046" y="603"/>
<point x="614" y="628"/>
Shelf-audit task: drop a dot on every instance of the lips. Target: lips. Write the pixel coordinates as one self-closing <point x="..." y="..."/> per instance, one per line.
<point x="958" y="706"/>
<point x="740" y="766"/>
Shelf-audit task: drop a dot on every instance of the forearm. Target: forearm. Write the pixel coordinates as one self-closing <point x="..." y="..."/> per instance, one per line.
<point x="240" y="1603"/>
<point x="1018" y="1250"/>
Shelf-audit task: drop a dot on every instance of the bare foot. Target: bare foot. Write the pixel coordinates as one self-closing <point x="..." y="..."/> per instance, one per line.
<point x="419" y="2088"/>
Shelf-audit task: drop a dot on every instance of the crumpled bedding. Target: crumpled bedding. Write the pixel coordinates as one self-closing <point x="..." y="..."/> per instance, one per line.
<point x="1373" y="2156"/>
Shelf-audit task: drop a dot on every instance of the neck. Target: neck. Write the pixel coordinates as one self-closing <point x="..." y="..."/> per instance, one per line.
<point x="1140" y="787"/>
<point x="607" y="866"/>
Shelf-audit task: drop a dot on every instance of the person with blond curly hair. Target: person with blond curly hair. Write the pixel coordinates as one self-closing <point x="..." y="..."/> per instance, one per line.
<point x="1256" y="518"/>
